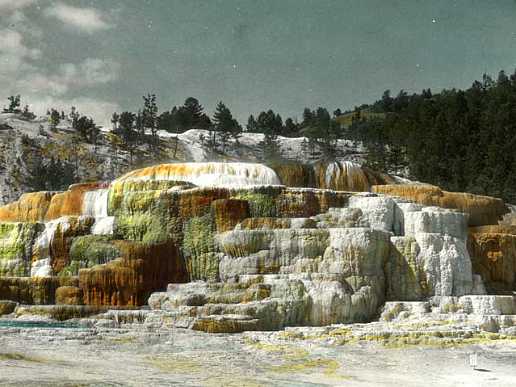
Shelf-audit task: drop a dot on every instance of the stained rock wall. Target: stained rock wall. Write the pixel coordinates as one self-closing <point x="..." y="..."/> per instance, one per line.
<point x="30" y="207"/>
<point x="242" y="252"/>
<point x="337" y="266"/>
<point x="493" y="255"/>
<point x="482" y="210"/>
<point x="130" y="279"/>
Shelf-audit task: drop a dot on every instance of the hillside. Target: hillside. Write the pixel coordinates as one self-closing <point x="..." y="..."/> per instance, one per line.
<point x="27" y="144"/>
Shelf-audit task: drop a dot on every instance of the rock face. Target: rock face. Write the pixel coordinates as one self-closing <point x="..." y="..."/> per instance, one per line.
<point x="493" y="255"/>
<point x="242" y="252"/>
<point x="31" y="207"/>
<point x="338" y="175"/>
<point x="482" y="210"/>
<point x="207" y="174"/>
<point x="337" y="266"/>
<point x="129" y="279"/>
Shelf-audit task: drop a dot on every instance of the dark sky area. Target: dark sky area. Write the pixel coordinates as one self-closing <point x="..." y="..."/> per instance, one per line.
<point x="252" y="54"/>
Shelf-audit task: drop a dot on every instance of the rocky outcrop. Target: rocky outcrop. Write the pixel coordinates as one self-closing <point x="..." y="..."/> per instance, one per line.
<point x="493" y="255"/>
<point x="33" y="290"/>
<point x="16" y="246"/>
<point x="242" y="252"/>
<point x="130" y="279"/>
<point x="73" y="201"/>
<point x="207" y="174"/>
<point x="482" y="210"/>
<point x="79" y="199"/>
<point x="341" y="268"/>
<point x="30" y="207"/>
<point x="227" y="213"/>
<point x="51" y="250"/>
<point x="7" y="307"/>
<point x="337" y="175"/>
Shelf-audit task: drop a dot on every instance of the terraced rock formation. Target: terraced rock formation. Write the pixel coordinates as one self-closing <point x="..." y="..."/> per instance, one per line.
<point x="244" y="246"/>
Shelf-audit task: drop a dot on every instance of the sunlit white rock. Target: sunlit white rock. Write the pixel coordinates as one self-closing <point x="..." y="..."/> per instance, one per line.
<point x="209" y="174"/>
<point x="103" y="226"/>
<point x="446" y="263"/>
<point x="436" y="220"/>
<point x="41" y="249"/>
<point x="41" y="268"/>
<point x="377" y="211"/>
<point x="488" y="304"/>
<point x="95" y="203"/>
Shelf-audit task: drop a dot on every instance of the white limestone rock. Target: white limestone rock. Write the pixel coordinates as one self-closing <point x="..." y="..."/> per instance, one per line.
<point x="404" y="271"/>
<point x="341" y="217"/>
<point x="392" y="310"/>
<point x="41" y="268"/>
<point x="330" y="302"/>
<point x="436" y="220"/>
<point x="208" y="174"/>
<point x="446" y="263"/>
<point x="378" y="211"/>
<point x="478" y="285"/>
<point x="41" y="265"/>
<point x="267" y="251"/>
<point x="401" y="208"/>
<point x="355" y="252"/>
<point x="103" y="226"/>
<point x="95" y="203"/>
<point x="488" y="304"/>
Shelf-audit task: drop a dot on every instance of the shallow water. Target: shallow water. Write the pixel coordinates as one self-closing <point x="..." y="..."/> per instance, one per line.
<point x="36" y="324"/>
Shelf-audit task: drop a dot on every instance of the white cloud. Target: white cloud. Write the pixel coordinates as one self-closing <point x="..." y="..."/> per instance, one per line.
<point x="58" y="89"/>
<point x="99" y="109"/>
<point x="70" y="76"/>
<point x="7" y="6"/>
<point x="93" y="71"/>
<point x="15" y="57"/>
<point x="11" y="43"/>
<point x="85" y="19"/>
<point x="42" y="87"/>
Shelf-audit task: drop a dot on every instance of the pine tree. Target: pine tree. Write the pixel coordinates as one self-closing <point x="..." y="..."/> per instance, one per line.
<point x="226" y="125"/>
<point x="139" y="126"/>
<point x="290" y="128"/>
<point x="128" y="134"/>
<point x="54" y="119"/>
<point x="14" y="104"/>
<point x="150" y="116"/>
<point x="87" y="128"/>
<point x="115" y="119"/>
<point x="269" y="122"/>
<point x="252" y="125"/>
<point x="49" y="174"/>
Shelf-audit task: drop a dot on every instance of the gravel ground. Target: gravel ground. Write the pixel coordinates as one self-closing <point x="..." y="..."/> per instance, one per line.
<point x="139" y="357"/>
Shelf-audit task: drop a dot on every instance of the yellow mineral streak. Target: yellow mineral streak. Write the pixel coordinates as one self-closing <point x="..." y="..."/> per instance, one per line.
<point x="482" y="210"/>
<point x="31" y="207"/>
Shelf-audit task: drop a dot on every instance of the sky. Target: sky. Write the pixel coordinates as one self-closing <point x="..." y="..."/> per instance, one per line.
<point x="254" y="55"/>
